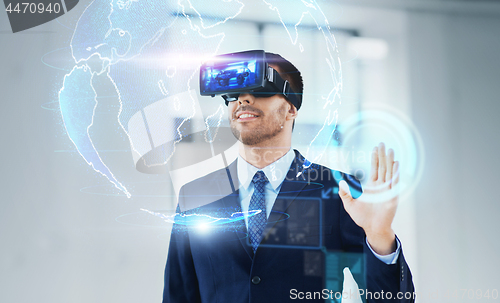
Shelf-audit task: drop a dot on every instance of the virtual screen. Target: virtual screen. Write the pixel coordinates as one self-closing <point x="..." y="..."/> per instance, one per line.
<point x="223" y="77"/>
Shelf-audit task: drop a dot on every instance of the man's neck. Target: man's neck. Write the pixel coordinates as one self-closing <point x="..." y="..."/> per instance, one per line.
<point x="261" y="157"/>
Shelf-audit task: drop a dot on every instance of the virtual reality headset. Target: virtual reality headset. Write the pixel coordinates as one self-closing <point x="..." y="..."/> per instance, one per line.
<point x="230" y="75"/>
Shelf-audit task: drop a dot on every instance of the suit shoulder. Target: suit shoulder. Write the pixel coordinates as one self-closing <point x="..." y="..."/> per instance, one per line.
<point x="218" y="176"/>
<point x="207" y="189"/>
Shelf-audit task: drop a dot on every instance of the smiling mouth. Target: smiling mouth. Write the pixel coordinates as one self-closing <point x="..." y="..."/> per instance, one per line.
<point x="244" y="116"/>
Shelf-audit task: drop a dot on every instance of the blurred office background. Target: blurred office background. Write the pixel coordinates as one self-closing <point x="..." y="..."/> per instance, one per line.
<point x="67" y="235"/>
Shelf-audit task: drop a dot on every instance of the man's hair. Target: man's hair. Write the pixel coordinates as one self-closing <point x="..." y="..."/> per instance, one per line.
<point x="289" y="72"/>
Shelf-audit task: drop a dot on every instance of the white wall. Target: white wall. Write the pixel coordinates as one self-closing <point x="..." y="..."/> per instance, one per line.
<point x="455" y="71"/>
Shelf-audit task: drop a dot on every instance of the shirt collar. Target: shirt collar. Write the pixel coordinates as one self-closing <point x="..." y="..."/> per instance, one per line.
<point x="275" y="172"/>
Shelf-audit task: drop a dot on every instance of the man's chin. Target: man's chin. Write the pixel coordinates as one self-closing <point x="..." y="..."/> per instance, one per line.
<point x="252" y="136"/>
<point x="250" y="139"/>
<point x="244" y="136"/>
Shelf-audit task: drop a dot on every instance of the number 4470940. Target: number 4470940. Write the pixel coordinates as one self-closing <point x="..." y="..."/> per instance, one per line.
<point x="472" y="294"/>
<point x="33" y="8"/>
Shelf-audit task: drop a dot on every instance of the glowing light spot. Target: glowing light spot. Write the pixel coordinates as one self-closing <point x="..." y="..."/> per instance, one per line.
<point x="202" y="221"/>
<point x="203" y="227"/>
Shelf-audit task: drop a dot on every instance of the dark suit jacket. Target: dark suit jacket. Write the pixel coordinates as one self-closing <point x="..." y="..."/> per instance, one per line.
<point x="309" y="239"/>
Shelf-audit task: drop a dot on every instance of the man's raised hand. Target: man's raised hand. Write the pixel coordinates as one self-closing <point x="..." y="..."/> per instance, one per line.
<point x="376" y="217"/>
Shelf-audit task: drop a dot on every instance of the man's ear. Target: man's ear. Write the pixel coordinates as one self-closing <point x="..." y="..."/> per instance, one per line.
<point x="292" y="112"/>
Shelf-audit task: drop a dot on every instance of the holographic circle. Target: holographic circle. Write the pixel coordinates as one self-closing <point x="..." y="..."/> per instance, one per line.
<point x="363" y="131"/>
<point x="55" y="59"/>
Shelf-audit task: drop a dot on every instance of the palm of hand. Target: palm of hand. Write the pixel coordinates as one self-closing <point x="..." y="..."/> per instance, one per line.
<point x="375" y="218"/>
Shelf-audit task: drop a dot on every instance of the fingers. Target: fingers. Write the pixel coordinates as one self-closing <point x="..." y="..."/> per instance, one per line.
<point x="395" y="173"/>
<point x="374" y="167"/>
<point x="383" y="166"/>
<point x="382" y="162"/>
<point x="345" y="192"/>
<point x="389" y="166"/>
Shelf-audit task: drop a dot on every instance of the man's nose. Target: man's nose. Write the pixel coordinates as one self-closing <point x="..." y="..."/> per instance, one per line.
<point x="246" y="98"/>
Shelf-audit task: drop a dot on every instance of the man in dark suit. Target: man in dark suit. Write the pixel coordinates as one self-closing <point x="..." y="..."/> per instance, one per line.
<point x="275" y="228"/>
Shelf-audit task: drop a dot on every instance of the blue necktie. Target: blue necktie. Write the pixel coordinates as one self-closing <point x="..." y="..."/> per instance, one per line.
<point x="257" y="223"/>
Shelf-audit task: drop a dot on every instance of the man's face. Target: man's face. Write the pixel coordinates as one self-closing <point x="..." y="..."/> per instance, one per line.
<point x="254" y="120"/>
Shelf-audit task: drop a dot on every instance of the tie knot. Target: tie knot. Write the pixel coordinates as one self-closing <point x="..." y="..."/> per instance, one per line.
<point x="260" y="178"/>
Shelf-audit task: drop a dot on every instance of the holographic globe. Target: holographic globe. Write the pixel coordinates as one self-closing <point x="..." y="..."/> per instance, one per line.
<point x="146" y="55"/>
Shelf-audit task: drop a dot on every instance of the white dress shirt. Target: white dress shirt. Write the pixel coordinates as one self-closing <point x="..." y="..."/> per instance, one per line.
<point x="276" y="173"/>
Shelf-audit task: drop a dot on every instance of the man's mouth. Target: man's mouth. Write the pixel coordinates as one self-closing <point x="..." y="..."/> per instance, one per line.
<point x="243" y="116"/>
